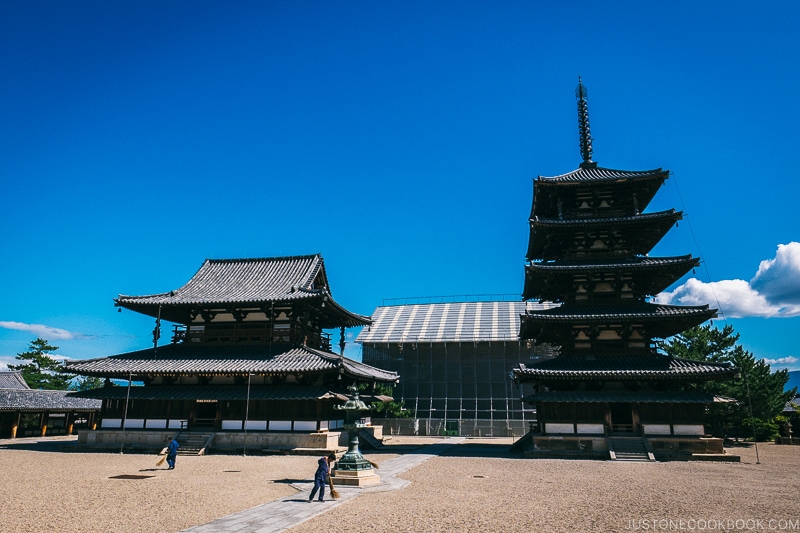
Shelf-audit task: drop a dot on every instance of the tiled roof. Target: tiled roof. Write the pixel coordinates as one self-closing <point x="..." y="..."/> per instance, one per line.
<point x="243" y="282"/>
<point x="44" y="400"/>
<point x="552" y="238"/>
<point x="447" y="322"/>
<point x="211" y="392"/>
<point x="225" y="359"/>
<point x="552" y="280"/>
<point x="620" y="397"/>
<point x="12" y="380"/>
<point x="792" y="405"/>
<point x="595" y="173"/>
<point x="603" y="313"/>
<point x="621" y="367"/>
<point x="635" y="263"/>
<point x="669" y="215"/>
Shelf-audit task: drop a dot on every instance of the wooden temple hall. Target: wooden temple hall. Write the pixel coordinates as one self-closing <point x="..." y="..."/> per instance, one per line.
<point x="249" y="358"/>
<point x="609" y="392"/>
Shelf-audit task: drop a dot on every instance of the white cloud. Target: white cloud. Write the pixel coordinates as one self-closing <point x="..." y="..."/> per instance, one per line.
<point x="773" y="292"/>
<point x="790" y="360"/>
<point x="40" y="330"/>
<point x="778" y="279"/>
<point x="734" y="297"/>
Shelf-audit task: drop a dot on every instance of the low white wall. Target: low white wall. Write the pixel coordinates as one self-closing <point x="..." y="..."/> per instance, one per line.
<point x="231" y="425"/>
<point x="688" y="429"/>
<point x="656" y="429"/>
<point x="591" y="429"/>
<point x="559" y="428"/>
<point x="305" y="425"/>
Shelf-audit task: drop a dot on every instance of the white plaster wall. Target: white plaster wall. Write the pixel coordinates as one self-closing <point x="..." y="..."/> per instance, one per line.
<point x="688" y="429"/>
<point x="656" y="429"/>
<point x="559" y="428"/>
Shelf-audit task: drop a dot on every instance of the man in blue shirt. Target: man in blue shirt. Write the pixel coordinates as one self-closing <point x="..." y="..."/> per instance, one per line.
<point x="321" y="477"/>
<point x="172" y="452"/>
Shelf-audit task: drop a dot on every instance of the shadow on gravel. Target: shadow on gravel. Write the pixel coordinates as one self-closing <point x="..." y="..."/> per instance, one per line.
<point x="39" y="446"/>
<point x="482" y="450"/>
<point x="289" y="481"/>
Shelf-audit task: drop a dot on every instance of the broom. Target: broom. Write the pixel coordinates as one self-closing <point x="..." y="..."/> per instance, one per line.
<point x="334" y="492"/>
<point x="162" y="460"/>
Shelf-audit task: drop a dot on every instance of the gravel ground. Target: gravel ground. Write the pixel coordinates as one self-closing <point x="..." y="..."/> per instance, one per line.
<point x="476" y="487"/>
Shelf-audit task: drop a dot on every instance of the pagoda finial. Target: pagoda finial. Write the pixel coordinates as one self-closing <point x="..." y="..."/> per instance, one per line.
<point x="583" y="122"/>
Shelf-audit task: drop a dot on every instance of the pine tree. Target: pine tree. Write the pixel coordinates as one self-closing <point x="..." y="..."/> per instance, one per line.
<point x="42" y="371"/>
<point x="766" y="388"/>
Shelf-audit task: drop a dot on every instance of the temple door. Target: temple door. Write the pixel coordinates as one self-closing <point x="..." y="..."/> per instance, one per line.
<point x="621" y="418"/>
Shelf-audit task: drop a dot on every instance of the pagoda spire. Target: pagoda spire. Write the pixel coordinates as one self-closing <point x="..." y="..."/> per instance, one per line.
<point x="583" y="124"/>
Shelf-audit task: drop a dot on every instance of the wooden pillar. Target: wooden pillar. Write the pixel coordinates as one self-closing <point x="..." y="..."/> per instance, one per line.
<point x="43" y="423"/>
<point x="69" y="423"/>
<point x="16" y="426"/>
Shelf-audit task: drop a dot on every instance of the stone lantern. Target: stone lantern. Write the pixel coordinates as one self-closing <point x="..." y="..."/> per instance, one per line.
<point x="352" y="468"/>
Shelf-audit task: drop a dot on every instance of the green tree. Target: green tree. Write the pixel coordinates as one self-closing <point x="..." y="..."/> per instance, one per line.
<point x="766" y="388"/>
<point x="391" y="409"/>
<point x="86" y="383"/>
<point x="42" y="371"/>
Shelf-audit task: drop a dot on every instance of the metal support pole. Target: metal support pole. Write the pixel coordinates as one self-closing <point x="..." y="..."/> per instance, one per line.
<point x="752" y="420"/>
<point x="125" y="414"/>
<point x="246" y="414"/>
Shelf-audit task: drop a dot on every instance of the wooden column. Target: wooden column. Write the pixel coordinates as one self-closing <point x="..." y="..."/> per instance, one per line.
<point x="69" y="422"/>
<point x="43" y="423"/>
<point x="16" y="425"/>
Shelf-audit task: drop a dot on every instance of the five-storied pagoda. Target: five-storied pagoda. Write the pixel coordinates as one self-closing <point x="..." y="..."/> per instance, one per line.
<point x="609" y="392"/>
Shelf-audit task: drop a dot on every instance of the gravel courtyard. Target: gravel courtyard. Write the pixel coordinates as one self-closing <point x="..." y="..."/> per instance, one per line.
<point x="476" y="486"/>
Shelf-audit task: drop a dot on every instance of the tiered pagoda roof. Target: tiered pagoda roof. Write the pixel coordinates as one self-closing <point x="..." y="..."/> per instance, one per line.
<point x="583" y="191"/>
<point x="555" y="325"/>
<point x="201" y="359"/>
<point x="553" y="238"/>
<point x="550" y="280"/>
<point x="623" y="367"/>
<point x="248" y="285"/>
<point x="589" y="251"/>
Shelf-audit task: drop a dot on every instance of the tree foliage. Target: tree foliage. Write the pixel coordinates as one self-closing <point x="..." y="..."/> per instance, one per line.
<point x="391" y="409"/>
<point x="86" y="383"/>
<point x="41" y="370"/>
<point x="766" y="388"/>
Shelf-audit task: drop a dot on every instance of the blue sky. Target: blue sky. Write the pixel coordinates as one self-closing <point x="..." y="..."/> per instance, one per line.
<point x="397" y="139"/>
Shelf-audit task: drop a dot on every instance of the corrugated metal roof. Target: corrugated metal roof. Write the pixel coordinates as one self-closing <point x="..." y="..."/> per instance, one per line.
<point x="12" y="380"/>
<point x="620" y="397"/>
<point x="619" y="367"/>
<point x="225" y="359"/>
<point x="44" y="400"/>
<point x="447" y="322"/>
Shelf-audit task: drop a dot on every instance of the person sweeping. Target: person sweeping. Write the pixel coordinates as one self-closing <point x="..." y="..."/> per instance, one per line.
<point x="321" y="477"/>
